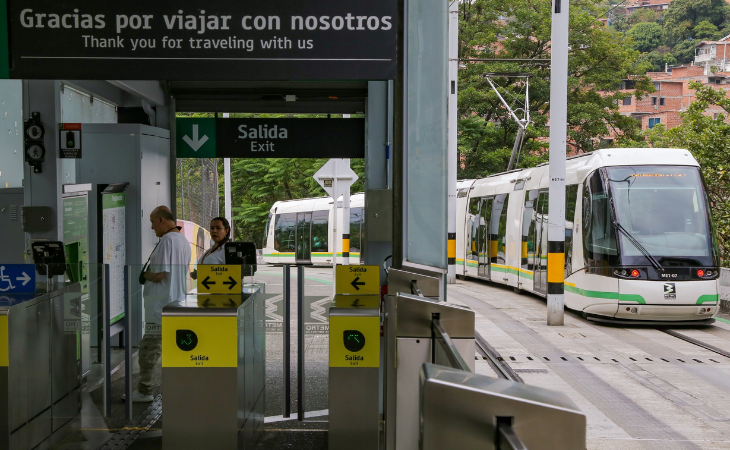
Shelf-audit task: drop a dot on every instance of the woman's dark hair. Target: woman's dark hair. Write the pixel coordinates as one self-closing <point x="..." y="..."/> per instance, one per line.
<point x="226" y="225"/>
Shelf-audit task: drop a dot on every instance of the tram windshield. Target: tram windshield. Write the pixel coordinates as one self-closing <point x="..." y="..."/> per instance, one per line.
<point x="665" y="209"/>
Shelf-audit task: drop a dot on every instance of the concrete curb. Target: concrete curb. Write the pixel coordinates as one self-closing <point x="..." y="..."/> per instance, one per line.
<point x="725" y="290"/>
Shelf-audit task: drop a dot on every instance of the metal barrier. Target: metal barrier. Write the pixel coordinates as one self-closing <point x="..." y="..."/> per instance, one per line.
<point x="470" y="411"/>
<point x="434" y="400"/>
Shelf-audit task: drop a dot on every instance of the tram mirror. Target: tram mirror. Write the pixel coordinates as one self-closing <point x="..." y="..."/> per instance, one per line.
<point x="586" y="210"/>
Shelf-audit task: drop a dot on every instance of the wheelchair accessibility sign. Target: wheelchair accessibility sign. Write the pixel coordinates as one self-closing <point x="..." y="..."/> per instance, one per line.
<point x="17" y="278"/>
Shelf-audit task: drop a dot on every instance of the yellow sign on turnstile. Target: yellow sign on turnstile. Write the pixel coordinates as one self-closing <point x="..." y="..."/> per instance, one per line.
<point x="357" y="301"/>
<point x="219" y="279"/>
<point x="360" y="280"/>
<point x="354" y="341"/>
<point x="4" y="342"/>
<point x="199" y="341"/>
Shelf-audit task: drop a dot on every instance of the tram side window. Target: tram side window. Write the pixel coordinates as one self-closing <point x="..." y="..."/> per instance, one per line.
<point x="571" y="197"/>
<point x="599" y="242"/>
<point x="499" y="213"/>
<point x="285" y="227"/>
<point x="320" y="222"/>
<point x="472" y="253"/>
<point x="355" y="229"/>
<point x="528" y="229"/>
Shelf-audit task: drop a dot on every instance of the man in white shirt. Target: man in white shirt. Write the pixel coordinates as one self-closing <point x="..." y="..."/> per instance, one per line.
<point x="166" y="282"/>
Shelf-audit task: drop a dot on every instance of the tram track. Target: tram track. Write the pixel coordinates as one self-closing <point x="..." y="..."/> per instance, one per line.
<point x="697" y="342"/>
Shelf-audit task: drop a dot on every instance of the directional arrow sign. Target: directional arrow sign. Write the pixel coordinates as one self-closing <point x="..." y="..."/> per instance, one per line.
<point x="359" y="280"/>
<point x="196" y="137"/>
<point x="195" y="143"/>
<point x="218" y="279"/>
<point x="231" y="283"/>
<point x="357" y="301"/>
<point x="17" y="279"/>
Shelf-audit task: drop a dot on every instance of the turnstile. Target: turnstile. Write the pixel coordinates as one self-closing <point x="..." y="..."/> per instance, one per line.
<point x="213" y="370"/>
<point x="40" y="375"/>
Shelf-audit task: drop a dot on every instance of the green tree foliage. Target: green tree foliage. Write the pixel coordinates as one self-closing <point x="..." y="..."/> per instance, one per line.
<point x="599" y="60"/>
<point x="684" y="15"/>
<point x="659" y="60"/>
<point x="708" y="139"/>
<point x="706" y="31"/>
<point x="646" y="35"/>
<point x="684" y="52"/>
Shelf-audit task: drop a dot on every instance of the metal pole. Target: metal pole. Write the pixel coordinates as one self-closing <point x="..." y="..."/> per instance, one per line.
<point x="345" y="220"/>
<point x="558" y="142"/>
<point x="300" y="343"/>
<point x="452" y="139"/>
<point x="516" y="147"/>
<point x="335" y="236"/>
<point x="286" y="334"/>
<point x="128" y="344"/>
<point x="106" y="318"/>
<point x="227" y="187"/>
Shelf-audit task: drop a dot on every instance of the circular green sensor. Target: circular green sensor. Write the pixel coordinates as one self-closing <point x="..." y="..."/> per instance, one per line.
<point x="354" y="340"/>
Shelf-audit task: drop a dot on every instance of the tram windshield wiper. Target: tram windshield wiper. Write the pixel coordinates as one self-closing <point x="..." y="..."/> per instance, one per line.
<point x="640" y="247"/>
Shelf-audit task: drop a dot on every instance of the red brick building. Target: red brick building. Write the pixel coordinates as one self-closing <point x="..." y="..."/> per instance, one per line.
<point x="672" y="96"/>
<point x="656" y="5"/>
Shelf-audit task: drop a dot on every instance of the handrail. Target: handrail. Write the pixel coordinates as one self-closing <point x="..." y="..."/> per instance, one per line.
<point x="507" y="439"/>
<point x="452" y="353"/>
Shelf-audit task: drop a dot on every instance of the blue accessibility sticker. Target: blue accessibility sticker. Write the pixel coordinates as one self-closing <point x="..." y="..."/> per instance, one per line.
<point x="17" y="278"/>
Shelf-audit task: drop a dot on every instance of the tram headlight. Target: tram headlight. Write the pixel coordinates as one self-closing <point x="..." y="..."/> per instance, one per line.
<point x="707" y="273"/>
<point x="701" y="273"/>
<point x="627" y="273"/>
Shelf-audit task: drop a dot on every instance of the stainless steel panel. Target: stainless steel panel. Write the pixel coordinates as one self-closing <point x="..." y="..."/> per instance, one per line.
<point x="414" y="314"/>
<point x="38" y="362"/>
<point x="353" y="406"/>
<point x="400" y="281"/>
<point x="17" y="326"/>
<point x="39" y="429"/>
<point x="200" y="408"/>
<point x="11" y="227"/>
<point x="379" y="220"/>
<point x="460" y="410"/>
<point x="4" y="406"/>
<point x="412" y="353"/>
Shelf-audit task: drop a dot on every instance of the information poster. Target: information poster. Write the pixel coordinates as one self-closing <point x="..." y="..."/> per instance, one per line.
<point x="114" y="250"/>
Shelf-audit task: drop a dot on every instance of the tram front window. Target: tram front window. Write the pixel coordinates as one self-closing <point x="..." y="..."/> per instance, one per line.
<point x="665" y="209"/>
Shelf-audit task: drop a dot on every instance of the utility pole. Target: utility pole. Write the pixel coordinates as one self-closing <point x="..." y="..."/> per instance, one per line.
<point x="451" y="138"/>
<point x="558" y="142"/>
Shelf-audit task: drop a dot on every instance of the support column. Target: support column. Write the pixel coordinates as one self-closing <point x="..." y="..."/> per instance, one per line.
<point x="227" y="187"/>
<point x="452" y="157"/>
<point x="558" y="142"/>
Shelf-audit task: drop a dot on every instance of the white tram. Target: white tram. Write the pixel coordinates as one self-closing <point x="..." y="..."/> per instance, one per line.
<point x="301" y="231"/>
<point x="639" y="239"/>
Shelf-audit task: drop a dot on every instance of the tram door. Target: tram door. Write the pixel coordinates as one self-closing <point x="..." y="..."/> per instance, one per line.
<point x="304" y="238"/>
<point x="541" y="240"/>
<point x="484" y="244"/>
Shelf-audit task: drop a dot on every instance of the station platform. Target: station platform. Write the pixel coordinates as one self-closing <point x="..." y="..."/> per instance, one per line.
<point x="639" y="387"/>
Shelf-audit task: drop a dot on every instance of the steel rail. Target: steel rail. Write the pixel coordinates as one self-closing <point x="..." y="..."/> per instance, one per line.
<point x="698" y="343"/>
<point x="495" y="360"/>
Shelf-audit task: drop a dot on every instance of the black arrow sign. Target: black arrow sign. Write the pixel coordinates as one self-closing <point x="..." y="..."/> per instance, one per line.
<point x="207" y="283"/>
<point x="356" y="303"/>
<point x="355" y="284"/>
<point x="232" y="282"/>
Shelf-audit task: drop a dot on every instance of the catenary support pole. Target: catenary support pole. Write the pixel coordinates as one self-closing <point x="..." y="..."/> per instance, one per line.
<point x="451" y="138"/>
<point x="227" y="187"/>
<point x="346" y="221"/>
<point x="286" y="335"/>
<point x="301" y="384"/>
<point x="558" y="140"/>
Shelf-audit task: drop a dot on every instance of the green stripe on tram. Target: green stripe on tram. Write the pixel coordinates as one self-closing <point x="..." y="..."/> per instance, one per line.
<point x="708" y="298"/>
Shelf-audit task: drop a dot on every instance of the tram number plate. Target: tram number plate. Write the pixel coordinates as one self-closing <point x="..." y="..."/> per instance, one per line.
<point x="675" y="274"/>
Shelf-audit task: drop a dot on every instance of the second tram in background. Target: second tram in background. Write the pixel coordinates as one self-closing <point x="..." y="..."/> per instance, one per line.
<point x="301" y="231"/>
<point x="639" y="238"/>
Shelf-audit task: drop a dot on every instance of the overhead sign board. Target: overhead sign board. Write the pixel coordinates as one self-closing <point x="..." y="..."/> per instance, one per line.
<point x="269" y="138"/>
<point x="213" y="40"/>
<point x="17" y="279"/>
<point x="219" y="279"/>
<point x="359" y="280"/>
